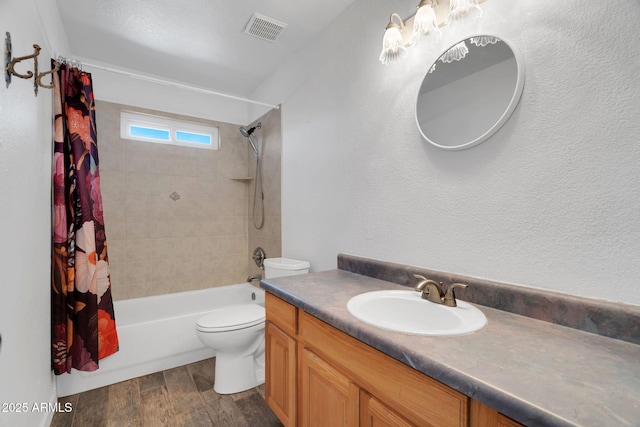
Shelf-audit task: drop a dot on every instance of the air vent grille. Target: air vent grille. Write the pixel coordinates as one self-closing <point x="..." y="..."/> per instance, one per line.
<point x="264" y="28"/>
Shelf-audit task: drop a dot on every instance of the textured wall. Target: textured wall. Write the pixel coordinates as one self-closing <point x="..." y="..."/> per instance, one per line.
<point x="25" y="217"/>
<point x="157" y="245"/>
<point x="549" y="201"/>
<point x="270" y="145"/>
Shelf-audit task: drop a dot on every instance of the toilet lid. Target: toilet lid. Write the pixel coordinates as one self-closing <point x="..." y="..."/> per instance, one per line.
<point x="231" y="317"/>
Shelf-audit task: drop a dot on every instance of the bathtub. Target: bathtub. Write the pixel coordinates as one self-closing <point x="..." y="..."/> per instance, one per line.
<point x="157" y="333"/>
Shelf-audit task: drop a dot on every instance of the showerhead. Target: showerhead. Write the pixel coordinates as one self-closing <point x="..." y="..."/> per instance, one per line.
<point x="247" y="133"/>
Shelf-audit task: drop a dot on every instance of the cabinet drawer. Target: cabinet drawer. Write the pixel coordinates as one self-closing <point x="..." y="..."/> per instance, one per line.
<point x="282" y="314"/>
<point x="420" y="399"/>
<point x="375" y="414"/>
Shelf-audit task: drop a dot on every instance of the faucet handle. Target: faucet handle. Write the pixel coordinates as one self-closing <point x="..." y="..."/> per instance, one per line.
<point x="450" y="297"/>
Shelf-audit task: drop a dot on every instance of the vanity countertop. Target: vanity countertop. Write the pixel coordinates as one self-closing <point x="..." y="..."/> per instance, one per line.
<point x="536" y="372"/>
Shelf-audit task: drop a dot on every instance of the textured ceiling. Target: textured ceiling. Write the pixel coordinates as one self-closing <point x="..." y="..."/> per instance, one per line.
<point x="199" y="42"/>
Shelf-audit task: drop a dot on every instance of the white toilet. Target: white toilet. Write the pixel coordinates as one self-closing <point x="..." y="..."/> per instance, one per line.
<point x="236" y="333"/>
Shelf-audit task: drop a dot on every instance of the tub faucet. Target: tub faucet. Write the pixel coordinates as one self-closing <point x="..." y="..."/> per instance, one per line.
<point x="432" y="291"/>
<point x="252" y="278"/>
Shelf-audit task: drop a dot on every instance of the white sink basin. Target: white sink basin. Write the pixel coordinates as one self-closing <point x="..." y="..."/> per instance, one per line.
<point x="407" y="312"/>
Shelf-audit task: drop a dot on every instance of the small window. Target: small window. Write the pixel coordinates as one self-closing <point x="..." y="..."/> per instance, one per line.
<point x="193" y="137"/>
<point x="162" y="130"/>
<point x="149" y="133"/>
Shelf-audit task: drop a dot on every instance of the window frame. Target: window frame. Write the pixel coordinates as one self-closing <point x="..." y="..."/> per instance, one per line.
<point x="129" y="119"/>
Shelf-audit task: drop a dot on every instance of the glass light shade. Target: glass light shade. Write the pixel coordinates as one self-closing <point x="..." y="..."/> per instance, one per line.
<point x="463" y="9"/>
<point x="456" y="53"/>
<point x="393" y="49"/>
<point x="425" y="23"/>
<point x="482" y="41"/>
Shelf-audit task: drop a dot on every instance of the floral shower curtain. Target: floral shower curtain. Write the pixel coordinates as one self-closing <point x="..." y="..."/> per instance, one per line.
<point x="83" y="323"/>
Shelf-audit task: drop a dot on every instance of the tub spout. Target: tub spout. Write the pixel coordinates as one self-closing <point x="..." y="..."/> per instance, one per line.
<point x="252" y="278"/>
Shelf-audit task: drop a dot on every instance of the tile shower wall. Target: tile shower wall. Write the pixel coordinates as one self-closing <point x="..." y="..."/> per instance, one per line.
<point x="269" y="237"/>
<point x="158" y="245"/>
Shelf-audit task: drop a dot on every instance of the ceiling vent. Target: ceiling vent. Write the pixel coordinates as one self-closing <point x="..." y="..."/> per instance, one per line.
<point x="264" y="28"/>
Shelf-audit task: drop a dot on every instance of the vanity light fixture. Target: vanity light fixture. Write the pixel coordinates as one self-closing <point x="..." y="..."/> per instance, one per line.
<point x="463" y="9"/>
<point x="426" y="23"/>
<point x="393" y="47"/>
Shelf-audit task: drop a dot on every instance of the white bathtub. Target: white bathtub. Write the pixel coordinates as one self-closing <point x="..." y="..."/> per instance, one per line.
<point x="157" y="333"/>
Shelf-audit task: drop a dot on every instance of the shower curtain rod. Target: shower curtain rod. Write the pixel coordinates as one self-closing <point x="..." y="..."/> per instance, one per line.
<point x="176" y="84"/>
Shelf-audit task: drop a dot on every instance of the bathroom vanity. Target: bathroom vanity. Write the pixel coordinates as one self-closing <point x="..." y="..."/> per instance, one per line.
<point x="322" y="364"/>
<point x="343" y="381"/>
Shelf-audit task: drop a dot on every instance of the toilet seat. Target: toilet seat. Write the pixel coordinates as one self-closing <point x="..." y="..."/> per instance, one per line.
<point x="232" y="318"/>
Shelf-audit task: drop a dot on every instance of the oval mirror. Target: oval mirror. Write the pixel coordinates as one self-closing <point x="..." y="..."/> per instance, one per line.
<point x="469" y="92"/>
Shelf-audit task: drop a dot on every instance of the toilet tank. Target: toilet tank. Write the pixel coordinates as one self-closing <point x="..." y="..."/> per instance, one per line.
<point x="280" y="267"/>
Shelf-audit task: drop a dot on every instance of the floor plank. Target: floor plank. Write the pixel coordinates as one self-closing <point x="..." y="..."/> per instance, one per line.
<point x="203" y="374"/>
<point x="151" y="381"/>
<point x="256" y="411"/>
<point x="91" y="407"/>
<point x="183" y="393"/>
<point x="156" y="408"/>
<point x="182" y="396"/>
<point x="198" y="418"/>
<point x="223" y="410"/>
<point x="124" y="405"/>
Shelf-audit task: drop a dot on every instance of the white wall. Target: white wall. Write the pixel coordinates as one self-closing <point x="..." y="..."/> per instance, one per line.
<point x="550" y="201"/>
<point x="25" y="224"/>
<point x="182" y="99"/>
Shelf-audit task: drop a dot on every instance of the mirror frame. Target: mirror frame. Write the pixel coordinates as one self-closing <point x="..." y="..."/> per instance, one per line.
<point x="513" y="102"/>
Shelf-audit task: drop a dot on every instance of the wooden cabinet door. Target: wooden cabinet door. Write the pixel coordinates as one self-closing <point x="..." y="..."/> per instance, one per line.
<point x="481" y="415"/>
<point x="374" y="414"/>
<point x="280" y="375"/>
<point x="420" y="399"/>
<point x="507" y="422"/>
<point x="328" y="398"/>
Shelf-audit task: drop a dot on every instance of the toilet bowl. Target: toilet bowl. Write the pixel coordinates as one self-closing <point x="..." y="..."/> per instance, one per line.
<point x="236" y="333"/>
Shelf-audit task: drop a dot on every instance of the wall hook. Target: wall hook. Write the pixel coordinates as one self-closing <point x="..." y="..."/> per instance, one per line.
<point x="11" y="63"/>
<point x="14" y="61"/>
<point x="39" y="77"/>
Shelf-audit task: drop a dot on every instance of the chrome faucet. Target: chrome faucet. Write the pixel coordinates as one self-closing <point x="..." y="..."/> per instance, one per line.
<point x="432" y="291"/>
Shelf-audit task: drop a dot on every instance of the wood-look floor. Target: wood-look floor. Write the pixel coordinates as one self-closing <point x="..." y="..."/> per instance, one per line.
<point x="182" y="396"/>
